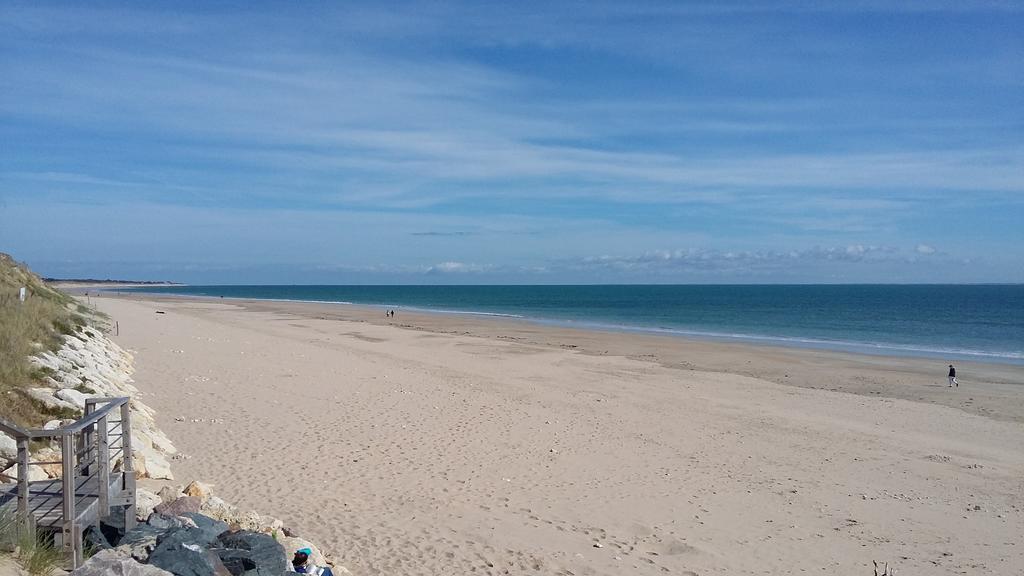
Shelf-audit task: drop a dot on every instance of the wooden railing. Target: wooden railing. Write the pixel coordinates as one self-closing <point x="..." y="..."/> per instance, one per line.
<point x="90" y="482"/>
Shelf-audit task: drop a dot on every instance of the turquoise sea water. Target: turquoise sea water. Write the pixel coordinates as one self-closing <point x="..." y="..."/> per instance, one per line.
<point x="972" y="322"/>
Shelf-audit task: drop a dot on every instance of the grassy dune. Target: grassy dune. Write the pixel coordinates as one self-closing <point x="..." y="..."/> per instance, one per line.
<point x="27" y="328"/>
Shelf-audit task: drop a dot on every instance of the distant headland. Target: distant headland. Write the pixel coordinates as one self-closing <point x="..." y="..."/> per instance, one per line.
<point x="80" y="282"/>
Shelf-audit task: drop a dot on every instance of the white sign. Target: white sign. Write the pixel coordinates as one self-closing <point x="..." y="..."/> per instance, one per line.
<point x="21" y="294"/>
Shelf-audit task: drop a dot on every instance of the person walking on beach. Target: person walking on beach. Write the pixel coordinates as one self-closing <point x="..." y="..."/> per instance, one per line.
<point x="952" y="377"/>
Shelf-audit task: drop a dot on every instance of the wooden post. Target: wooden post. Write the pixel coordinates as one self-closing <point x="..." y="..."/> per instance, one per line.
<point x="24" y="490"/>
<point x="68" y="528"/>
<point x="88" y="440"/>
<point x="78" y="550"/>
<point x="103" y="466"/>
<point x="127" y="466"/>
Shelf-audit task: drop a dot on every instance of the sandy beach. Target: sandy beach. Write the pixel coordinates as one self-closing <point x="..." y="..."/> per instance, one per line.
<point x="442" y="444"/>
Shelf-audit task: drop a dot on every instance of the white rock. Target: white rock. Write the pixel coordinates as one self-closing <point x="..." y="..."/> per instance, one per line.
<point x="145" y="501"/>
<point x="161" y="442"/>
<point x="45" y="360"/>
<point x="68" y="380"/>
<point x="199" y="490"/>
<point x="169" y="494"/>
<point x="51" y="361"/>
<point x="8" y="447"/>
<point x="45" y="397"/>
<point x="218" y="509"/>
<point x="139" y="438"/>
<point x="151" y="464"/>
<point x="139" y="465"/>
<point x="35" y="473"/>
<point x="249" y="521"/>
<point x="70" y="356"/>
<point x="72" y="396"/>
<point x="48" y="454"/>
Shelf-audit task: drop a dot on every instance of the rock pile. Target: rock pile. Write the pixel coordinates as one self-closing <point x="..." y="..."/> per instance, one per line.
<point x="191" y="532"/>
<point x="90" y="364"/>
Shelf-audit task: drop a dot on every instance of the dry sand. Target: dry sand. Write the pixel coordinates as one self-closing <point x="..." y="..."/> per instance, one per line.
<point x="459" y="445"/>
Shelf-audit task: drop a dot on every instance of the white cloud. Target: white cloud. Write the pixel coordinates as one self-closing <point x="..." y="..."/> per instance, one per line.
<point x="457" y="268"/>
<point x="701" y="259"/>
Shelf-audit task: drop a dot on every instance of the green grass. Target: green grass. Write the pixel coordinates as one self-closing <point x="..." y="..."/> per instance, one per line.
<point x="9" y="530"/>
<point x="34" y="552"/>
<point x="37" y="554"/>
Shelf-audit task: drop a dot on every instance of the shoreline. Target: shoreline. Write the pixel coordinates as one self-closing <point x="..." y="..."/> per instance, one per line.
<point x="919" y="379"/>
<point x="882" y="349"/>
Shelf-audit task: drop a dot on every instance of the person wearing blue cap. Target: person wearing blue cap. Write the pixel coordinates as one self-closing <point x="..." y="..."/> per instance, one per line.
<point x="302" y="565"/>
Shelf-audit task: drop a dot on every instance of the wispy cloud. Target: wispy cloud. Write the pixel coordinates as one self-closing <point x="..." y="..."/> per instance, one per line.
<point x="444" y="234"/>
<point x="575" y="128"/>
<point x="697" y="259"/>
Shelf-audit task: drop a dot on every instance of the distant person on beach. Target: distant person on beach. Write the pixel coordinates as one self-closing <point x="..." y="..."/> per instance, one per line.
<point x="302" y="565"/>
<point x="952" y="377"/>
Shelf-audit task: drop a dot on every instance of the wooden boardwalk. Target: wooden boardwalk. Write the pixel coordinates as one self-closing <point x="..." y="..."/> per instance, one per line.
<point x="46" y="502"/>
<point x="97" y="478"/>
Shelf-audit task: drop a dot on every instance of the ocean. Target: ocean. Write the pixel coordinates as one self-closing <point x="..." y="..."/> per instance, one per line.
<point x="952" y="322"/>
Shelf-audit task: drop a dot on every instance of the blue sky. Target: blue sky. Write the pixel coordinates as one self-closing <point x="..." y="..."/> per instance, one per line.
<point x="479" y="142"/>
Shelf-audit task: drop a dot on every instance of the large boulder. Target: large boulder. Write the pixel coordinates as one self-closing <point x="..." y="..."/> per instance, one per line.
<point x="145" y="502"/>
<point x="150" y="464"/>
<point x="140" y="542"/>
<point x="114" y="563"/>
<point x="185" y="552"/>
<point x="35" y="473"/>
<point x="245" y="551"/>
<point x="45" y="397"/>
<point x="72" y="396"/>
<point x="179" y="507"/>
<point x="65" y="380"/>
<point x="249" y="521"/>
<point x="216" y="507"/>
<point x="208" y="526"/>
<point x="189" y="560"/>
<point x="8" y="448"/>
<point x="47" y="454"/>
<point x="47" y="361"/>
<point x="199" y="490"/>
<point x="170" y="493"/>
<point x="241" y="562"/>
<point x="161" y="522"/>
<point x="159" y="441"/>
